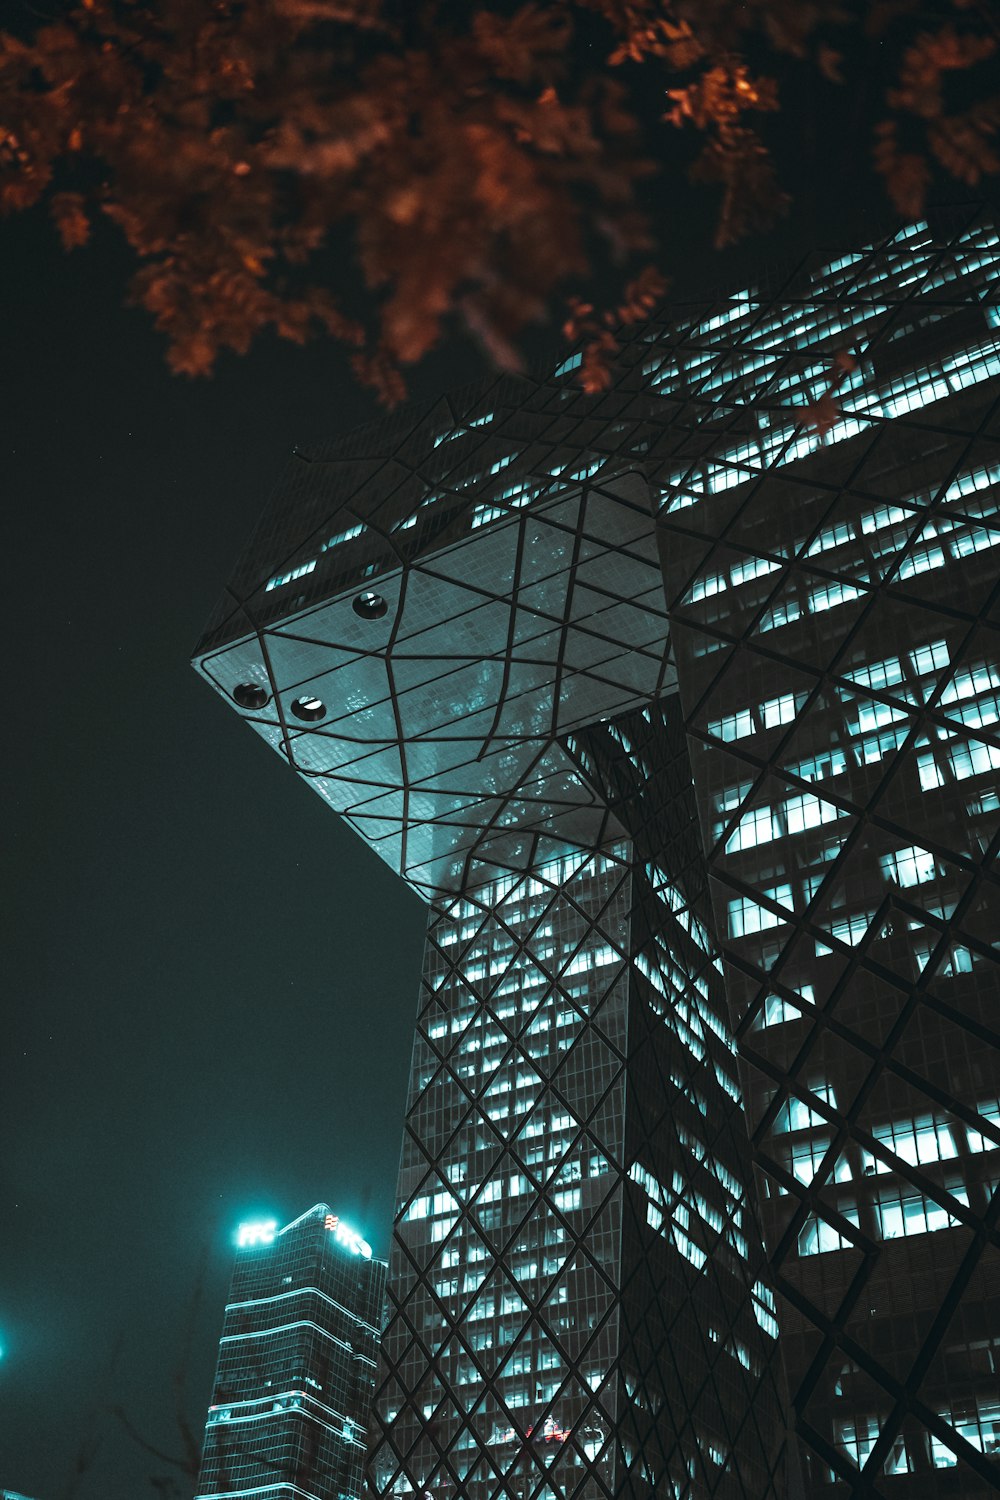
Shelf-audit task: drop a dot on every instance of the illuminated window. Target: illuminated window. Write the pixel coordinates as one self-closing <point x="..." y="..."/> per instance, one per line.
<point x="921" y="560"/>
<point x="989" y="1109"/>
<point x="857" y="1436"/>
<point x="901" y="1215"/>
<point x="785" y="613"/>
<point x="733" y="727"/>
<point x="831" y="536"/>
<point x="706" y="586"/>
<point x="572" y="363"/>
<point x="977" y="1420"/>
<point x="817" y="1236"/>
<point x="971" y="680"/>
<point x="764" y="1308"/>
<point x="929" y="773"/>
<point x="829" y="595"/>
<point x="876" y="747"/>
<point x="973" y="758"/>
<point x="776" y="1010"/>
<point x="875" y="715"/>
<point x="746" y="917"/>
<point x="755" y="827"/>
<point x="819" y="767"/>
<point x="804" y="1157"/>
<point x="796" y="1114"/>
<point x="341" y="537"/>
<point x="808" y="811"/>
<point x="923" y="1139"/>
<point x="930" y="658"/>
<point x="878" y="674"/>
<point x="282" y="578"/>
<point x="899" y="1460"/>
<point x="911" y="866"/>
<point x="851" y="929"/>
<point x="781" y="710"/>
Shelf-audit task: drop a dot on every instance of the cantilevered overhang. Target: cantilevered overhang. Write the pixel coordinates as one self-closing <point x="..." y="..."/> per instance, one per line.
<point x="428" y="704"/>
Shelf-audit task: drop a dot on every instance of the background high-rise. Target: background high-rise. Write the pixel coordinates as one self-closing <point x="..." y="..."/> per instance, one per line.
<point x="293" y="1388"/>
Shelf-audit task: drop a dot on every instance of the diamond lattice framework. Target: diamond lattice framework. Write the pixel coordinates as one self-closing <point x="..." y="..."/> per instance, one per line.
<point x="684" y="720"/>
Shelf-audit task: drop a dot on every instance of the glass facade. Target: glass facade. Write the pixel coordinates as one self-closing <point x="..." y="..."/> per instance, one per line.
<point x="835" y="625"/>
<point x="297" y="1359"/>
<point x="679" y="706"/>
<point x="574" y="1235"/>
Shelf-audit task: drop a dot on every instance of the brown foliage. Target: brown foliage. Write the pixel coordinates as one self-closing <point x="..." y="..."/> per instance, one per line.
<point x="961" y="141"/>
<point x="467" y="166"/>
<point x="596" y="331"/>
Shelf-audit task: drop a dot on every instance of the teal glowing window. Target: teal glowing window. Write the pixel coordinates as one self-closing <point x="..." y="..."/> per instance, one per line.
<point x="819" y="767"/>
<point x="903" y="1215"/>
<point x="977" y="1420"/>
<point x="878" y="674"/>
<point x="572" y="363"/>
<point x="989" y="1111"/>
<point x="857" y="1436"/>
<point x="746" y="917"/>
<point x="909" y="866"/>
<point x="922" y="1139"/>
<point x="818" y="1236"/>
<point x="930" y="658"/>
<point x="798" y="1114"/>
<point x="829" y="595"/>
<point x="776" y="1010"/>
<point x="283" y="578"/>
<point x="733" y="726"/>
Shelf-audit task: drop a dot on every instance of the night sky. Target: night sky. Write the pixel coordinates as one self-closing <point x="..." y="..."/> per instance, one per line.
<point x="211" y="982"/>
<point x="210" y="985"/>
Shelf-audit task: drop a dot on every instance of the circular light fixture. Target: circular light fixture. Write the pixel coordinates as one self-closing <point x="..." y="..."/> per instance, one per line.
<point x="251" y="695"/>
<point x="309" y="709"/>
<point x="369" y="605"/>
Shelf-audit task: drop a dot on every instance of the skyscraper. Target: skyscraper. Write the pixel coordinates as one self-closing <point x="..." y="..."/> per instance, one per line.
<point x="293" y="1388"/>
<point x="679" y="706"/>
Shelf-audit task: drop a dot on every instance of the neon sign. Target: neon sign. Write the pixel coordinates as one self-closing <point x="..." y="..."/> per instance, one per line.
<point x="347" y="1237"/>
<point x="262" y="1232"/>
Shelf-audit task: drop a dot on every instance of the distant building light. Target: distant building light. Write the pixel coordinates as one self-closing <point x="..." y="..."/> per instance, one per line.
<point x="347" y="1237"/>
<point x="261" y="1232"/>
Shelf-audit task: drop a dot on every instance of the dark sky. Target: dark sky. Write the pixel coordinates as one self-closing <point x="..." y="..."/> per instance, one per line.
<point x="211" y="982"/>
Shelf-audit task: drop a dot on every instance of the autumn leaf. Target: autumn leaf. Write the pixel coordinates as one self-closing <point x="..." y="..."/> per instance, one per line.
<point x="844" y="363"/>
<point x="822" y="414"/>
<point x="927" y="60"/>
<point x="962" y="145"/>
<point x="71" y="219"/>
<point x="906" y="173"/>
<point x="830" y="63"/>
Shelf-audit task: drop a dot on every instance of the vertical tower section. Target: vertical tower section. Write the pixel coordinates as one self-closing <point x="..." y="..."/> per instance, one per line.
<point x="702" y="1407"/>
<point x="579" y="1303"/>
<point x="296" y="1371"/>
<point x="836" y="622"/>
<point x="500" y="1352"/>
